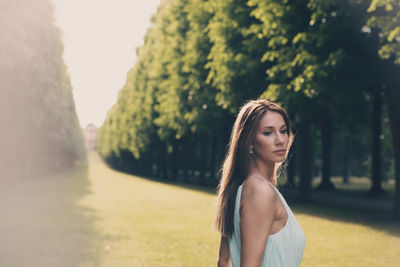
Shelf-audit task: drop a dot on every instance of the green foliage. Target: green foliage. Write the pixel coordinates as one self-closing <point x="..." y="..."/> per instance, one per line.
<point x="171" y="28"/>
<point x="235" y="68"/>
<point x="202" y="59"/>
<point x="165" y="96"/>
<point x="386" y="17"/>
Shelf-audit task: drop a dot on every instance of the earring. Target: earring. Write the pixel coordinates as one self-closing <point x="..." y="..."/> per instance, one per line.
<point x="251" y="151"/>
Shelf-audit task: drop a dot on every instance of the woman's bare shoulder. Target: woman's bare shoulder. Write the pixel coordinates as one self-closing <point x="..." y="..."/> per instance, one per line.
<point x="257" y="188"/>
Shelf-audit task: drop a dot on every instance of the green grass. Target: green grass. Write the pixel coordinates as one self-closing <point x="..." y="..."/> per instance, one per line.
<point x="96" y="216"/>
<point x="150" y="223"/>
<point x="337" y="237"/>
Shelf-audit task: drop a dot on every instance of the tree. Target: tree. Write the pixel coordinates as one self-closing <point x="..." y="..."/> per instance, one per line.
<point x="42" y="133"/>
<point x="385" y="17"/>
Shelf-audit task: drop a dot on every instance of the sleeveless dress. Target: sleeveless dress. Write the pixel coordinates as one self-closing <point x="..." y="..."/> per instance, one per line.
<point x="284" y="248"/>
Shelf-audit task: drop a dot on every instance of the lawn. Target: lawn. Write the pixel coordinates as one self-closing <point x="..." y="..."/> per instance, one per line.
<point x="95" y="216"/>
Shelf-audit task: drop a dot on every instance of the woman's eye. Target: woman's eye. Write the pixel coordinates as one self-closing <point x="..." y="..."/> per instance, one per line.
<point x="284" y="131"/>
<point x="267" y="133"/>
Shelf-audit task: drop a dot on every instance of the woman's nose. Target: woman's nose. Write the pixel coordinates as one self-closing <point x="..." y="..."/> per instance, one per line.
<point x="279" y="138"/>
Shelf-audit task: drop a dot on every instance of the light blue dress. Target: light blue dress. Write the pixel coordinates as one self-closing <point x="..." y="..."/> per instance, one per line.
<point x="284" y="248"/>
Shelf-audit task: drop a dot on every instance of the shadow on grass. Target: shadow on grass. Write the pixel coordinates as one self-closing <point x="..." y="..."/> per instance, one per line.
<point x="378" y="220"/>
<point x="44" y="224"/>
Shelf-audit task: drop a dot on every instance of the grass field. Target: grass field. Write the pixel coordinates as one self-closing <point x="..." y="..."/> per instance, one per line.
<point x="95" y="216"/>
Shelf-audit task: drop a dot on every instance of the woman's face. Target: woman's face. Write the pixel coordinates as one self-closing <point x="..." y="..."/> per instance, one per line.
<point x="271" y="138"/>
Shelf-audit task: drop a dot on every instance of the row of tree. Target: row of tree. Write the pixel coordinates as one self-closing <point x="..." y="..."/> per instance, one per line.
<point x="39" y="131"/>
<point x="332" y="64"/>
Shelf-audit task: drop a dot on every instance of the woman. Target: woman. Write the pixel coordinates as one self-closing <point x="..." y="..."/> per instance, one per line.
<point x="257" y="227"/>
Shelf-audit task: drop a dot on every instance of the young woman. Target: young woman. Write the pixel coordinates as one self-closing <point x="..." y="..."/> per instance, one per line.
<point x="257" y="227"/>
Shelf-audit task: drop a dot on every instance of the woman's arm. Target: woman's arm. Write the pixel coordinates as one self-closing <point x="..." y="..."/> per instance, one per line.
<point x="224" y="255"/>
<point x="256" y="217"/>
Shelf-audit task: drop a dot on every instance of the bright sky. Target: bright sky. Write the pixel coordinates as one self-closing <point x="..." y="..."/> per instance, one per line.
<point x="100" y="39"/>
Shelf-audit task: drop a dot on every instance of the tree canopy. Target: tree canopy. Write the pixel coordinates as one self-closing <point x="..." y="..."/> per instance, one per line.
<point x="325" y="61"/>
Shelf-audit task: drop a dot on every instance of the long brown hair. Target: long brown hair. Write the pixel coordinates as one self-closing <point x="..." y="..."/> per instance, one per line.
<point x="237" y="160"/>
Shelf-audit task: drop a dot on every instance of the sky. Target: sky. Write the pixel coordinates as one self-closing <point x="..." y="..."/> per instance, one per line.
<point x="100" y="40"/>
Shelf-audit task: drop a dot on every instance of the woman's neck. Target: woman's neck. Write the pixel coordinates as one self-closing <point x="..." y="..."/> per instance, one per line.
<point x="266" y="171"/>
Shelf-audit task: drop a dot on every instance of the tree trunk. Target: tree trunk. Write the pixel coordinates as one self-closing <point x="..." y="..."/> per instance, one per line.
<point x="154" y="162"/>
<point x="185" y="157"/>
<point x="291" y="168"/>
<point x="168" y="160"/>
<point x="163" y="161"/>
<point x="326" y="134"/>
<point x="393" y="100"/>
<point x="376" y="188"/>
<point x="345" y="162"/>
<point x="224" y="135"/>
<point x="213" y="162"/>
<point x="305" y="160"/>
<point x="203" y="159"/>
<point x="174" y="159"/>
<point x="392" y="94"/>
